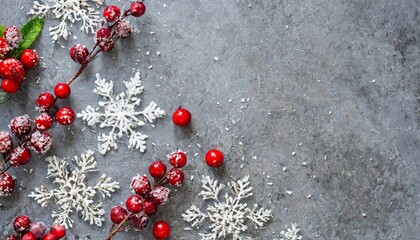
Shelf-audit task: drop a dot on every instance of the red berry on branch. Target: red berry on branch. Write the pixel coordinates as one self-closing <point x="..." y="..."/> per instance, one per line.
<point x="20" y="125"/>
<point x="79" y="53"/>
<point x="6" y="142"/>
<point x="160" y="195"/>
<point x="38" y="229"/>
<point x="161" y="230"/>
<point x="137" y="9"/>
<point x="111" y="13"/>
<point x="122" y="29"/>
<point x="45" y="101"/>
<point x="175" y="177"/>
<point x="29" y="58"/>
<point x="157" y="169"/>
<point x="11" y="68"/>
<point x="139" y="221"/>
<point x="117" y="214"/>
<point x="7" y="185"/>
<point x="181" y="117"/>
<point x="214" y="158"/>
<point x="13" y="36"/>
<point x="20" y="156"/>
<point x="41" y="142"/>
<point x="140" y="185"/>
<point x="43" y="121"/>
<point x="4" y="48"/>
<point x="178" y="159"/>
<point x="134" y="203"/>
<point x="62" y="90"/>
<point x="149" y="207"/>
<point x="12" y="237"/>
<point x="65" y="116"/>
<point x="104" y="40"/>
<point x="58" y="230"/>
<point x="49" y="236"/>
<point x="22" y="224"/>
<point x="29" y="236"/>
<point x="10" y="86"/>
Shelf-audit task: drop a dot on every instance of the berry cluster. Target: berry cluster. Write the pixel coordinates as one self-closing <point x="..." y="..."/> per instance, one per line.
<point x="27" y="230"/>
<point x="147" y="198"/>
<point x="12" y="70"/>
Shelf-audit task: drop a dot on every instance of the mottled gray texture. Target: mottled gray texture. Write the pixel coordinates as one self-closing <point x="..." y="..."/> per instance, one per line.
<point x="307" y="68"/>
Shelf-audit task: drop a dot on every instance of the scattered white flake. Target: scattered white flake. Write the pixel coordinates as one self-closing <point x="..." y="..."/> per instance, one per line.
<point x="374" y="80"/>
<point x="196" y="154"/>
<point x="268" y="113"/>
<point x="147" y="53"/>
<point x="293" y="153"/>
<point x="289" y="192"/>
<point x="240" y="143"/>
<point x="73" y="193"/>
<point x="300" y="144"/>
<point x="242" y="166"/>
<point x="198" y="145"/>
<point x="329" y="113"/>
<point x="216" y="58"/>
<point x="270" y="184"/>
<point x="228" y="218"/>
<point x="309" y="196"/>
<point x="243" y="100"/>
<point x="304" y="163"/>
<point x="120" y="114"/>
<point x="364" y="215"/>
<point x="230" y="100"/>
<point x="192" y="177"/>
<point x="291" y="233"/>
<point x="227" y="129"/>
<point x="255" y="157"/>
<point x="284" y="169"/>
<point x="152" y="33"/>
<point x="150" y="67"/>
<point x="287" y="26"/>
<point x="187" y="229"/>
<point x="158" y="53"/>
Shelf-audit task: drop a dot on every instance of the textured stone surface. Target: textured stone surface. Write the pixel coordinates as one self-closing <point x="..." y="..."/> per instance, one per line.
<point x="336" y="82"/>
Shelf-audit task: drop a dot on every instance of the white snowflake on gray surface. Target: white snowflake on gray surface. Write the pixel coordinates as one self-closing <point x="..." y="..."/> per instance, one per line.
<point x="228" y="218"/>
<point x="68" y="12"/>
<point x="73" y="194"/>
<point x="120" y="114"/>
<point x="291" y="233"/>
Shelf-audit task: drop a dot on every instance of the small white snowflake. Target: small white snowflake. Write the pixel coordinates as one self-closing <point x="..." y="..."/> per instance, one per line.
<point x="120" y="114"/>
<point x="291" y="233"/>
<point x="228" y="218"/>
<point x="68" y="12"/>
<point x="73" y="192"/>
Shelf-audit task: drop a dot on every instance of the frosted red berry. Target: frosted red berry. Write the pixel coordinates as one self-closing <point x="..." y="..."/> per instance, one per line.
<point x="29" y="58"/>
<point x="104" y="40"/>
<point x="11" y="68"/>
<point x="29" y="236"/>
<point x="40" y="142"/>
<point x="43" y="122"/>
<point x="79" y="53"/>
<point x="214" y="158"/>
<point x="13" y="36"/>
<point x="58" y="230"/>
<point x="6" y="142"/>
<point x="134" y="203"/>
<point x="181" y="117"/>
<point x="20" y="156"/>
<point x="161" y="230"/>
<point x="12" y="237"/>
<point x="45" y="100"/>
<point x="160" y="195"/>
<point x="149" y="207"/>
<point x="4" y="48"/>
<point x="49" y="236"/>
<point x="117" y="214"/>
<point x="137" y="9"/>
<point x="157" y="169"/>
<point x="65" y="116"/>
<point x="175" y="177"/>
<point x="139" y="221"/>
<point x="111" y="13"/>
<point x="62" y="90"/>
<point x="20" y="125"/>
<point x="7" y="185"/>
<point x="122" y="29"/>
<point x="140" y="185"/>
<point x="38" y="229"/>
<point x="10" y="86"/>
<point x="178" y="159"/>
<point x="22" y="224"/>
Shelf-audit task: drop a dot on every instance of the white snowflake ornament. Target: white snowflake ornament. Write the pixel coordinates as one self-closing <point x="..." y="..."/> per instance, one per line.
<point x="291" y="233"/>
<point x="120" y="114"/>
<point x="73" y="194"/>
<point x="228" y="218"/>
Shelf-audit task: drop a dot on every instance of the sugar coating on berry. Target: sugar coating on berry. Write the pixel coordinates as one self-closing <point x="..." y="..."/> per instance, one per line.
<point x="20" y="156"/>
<point x="13" y="36"/>
<point x="58" y="230"/>
<point x="21" y="224"/>
<point x="178" y="158"/>
<point x="10" y="86"/>
<point x="65" y="116"/>
<point x="160" y="195"/>
<point x="175" y="177"/>
<point x="104" y="40"/>
<point x="123" y="29"/>
<point x="43" y="121"/>
<point x="7" y="185"/>
<point x="140" y="184"/>
<point x="139" y="221"/>
<point x="29" y="58"/>
<point x="4" y="48"/>
<point x="6" y="142"/>
<point x="38" y="229"/>
<point x="79" y="53"/>
<point x="41" y="141"/>
<point x="111" y="13"/>
<point x="137" y="9"/>
<point x="45" y="101"/>
<point x="11" y="68"/>
<point x="20" y="125"/>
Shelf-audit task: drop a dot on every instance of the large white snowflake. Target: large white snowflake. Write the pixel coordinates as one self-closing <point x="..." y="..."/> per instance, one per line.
<point x="228" y="218"/>
<point x="68" y="12"/>
<point x="120" y="114"/>
<point x="291" y="233"/>
<point x="73" y="193"/>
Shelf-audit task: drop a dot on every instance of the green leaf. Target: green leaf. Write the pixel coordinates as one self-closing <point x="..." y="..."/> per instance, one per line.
<point x="30" y="32"/>
<point x="4" y="96"/>
<point x="1" y="30"/>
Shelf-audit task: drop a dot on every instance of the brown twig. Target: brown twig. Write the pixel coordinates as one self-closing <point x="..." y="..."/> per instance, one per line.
<point x="113" y="231"/>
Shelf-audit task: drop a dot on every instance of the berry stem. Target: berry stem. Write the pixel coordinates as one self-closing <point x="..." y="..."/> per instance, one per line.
<point x="113" y="231"/>
<point x="83" y="67"/>
<point x="4" y="170"/>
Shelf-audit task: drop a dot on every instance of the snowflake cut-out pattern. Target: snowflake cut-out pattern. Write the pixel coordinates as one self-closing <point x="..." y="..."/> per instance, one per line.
<point x="120" y="114"/>
<point x="68" y="12"/>
<point x="73" y="193"/>
<point x="228" y="218"/>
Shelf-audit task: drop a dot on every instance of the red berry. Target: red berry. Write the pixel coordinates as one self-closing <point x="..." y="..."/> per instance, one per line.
<point x="7" y="185"/>
<point x="29" y="236"/>
<point x="214" y="158"/>
<point x="13" y="36"/>
<point x="20" y="125"/>
<point x="134" y="203"/>
<point x="43" y="121"/>
<point x="178" y="159"/>
<point x="20" y="156"/>
<point x="161" y="230"/>
<point x="58" y="230"/>
<point x="137" y="9"/>
<point x="22" y="224"/>
<point x="160" y="195"/>
<point x="40" y="142"/>
<point x="65" y="116"/>
<point x="79" y="53"/>
<point x="45" y="101"/>
<point x="62" y="90"/>
<point x="139" y="221"/>
<point x="11" y="68"/>
<point x="4" y="48"/>
<point x="181" y="117"/>
<point x="38" y="229"/>
<point x="175" y="177"/>
<point x="140" y="185"/>
<point x="10" y="86"/>
<point x="157" y="169"/>
<point x="111" y="13"/>
<point x="6" y="142"/>
<point x="117" y="214"/>
<point x="122" y="29"/>
<point x="29" y="58"/>
<point x="150" y="207"/>
<point x="12" y="237"/>
<point x="49" y="236"/>
<point x="104" y="40"/>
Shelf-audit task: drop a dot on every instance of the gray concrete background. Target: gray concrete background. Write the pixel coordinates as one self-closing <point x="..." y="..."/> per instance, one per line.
<point x="336" y="82"/>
